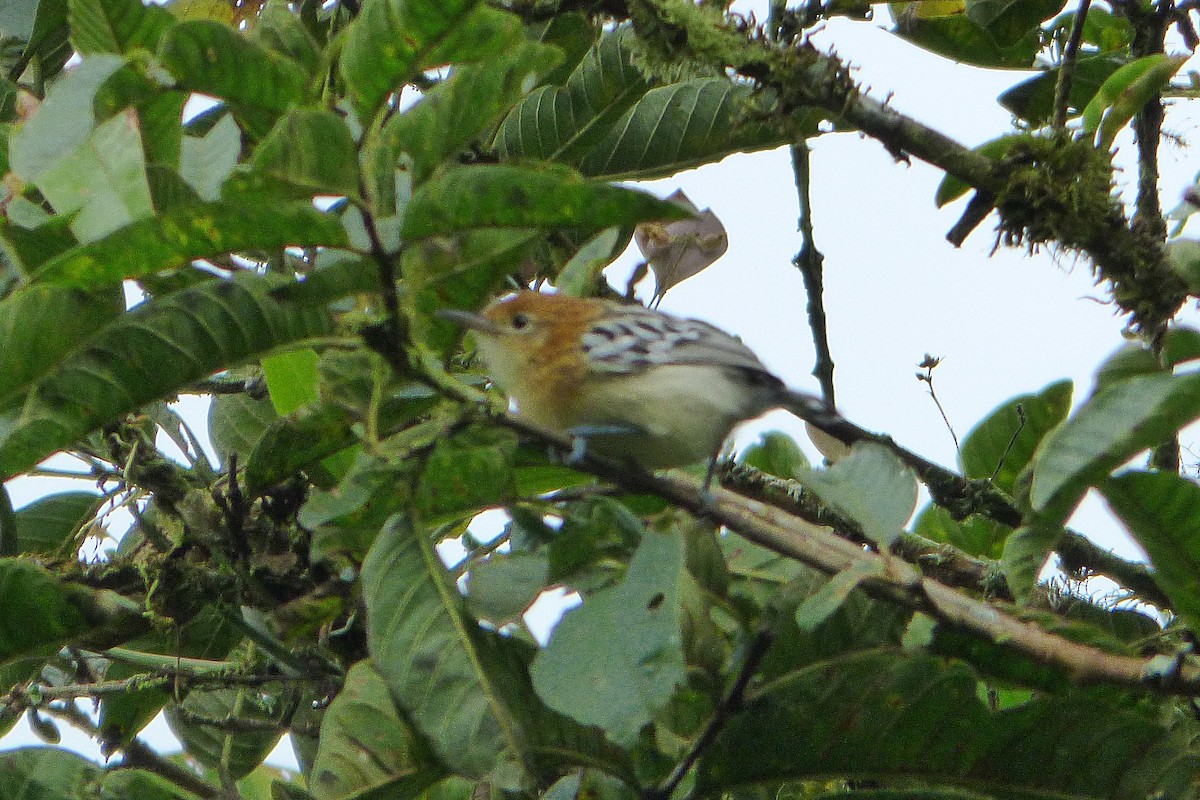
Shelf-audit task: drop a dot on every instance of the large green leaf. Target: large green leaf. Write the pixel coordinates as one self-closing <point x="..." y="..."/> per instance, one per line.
<point x="684" y="125"/>
<point x="871" y="486"/>
<point x="63" y="121"/>
<point x="921" y="719"/>
<point x="45" y="773"/>
<point x="239" y="751"/>
<point x="1160" y="510"/>
<point x="1112" y="427"/>
<point x="564" y="123"/>
<point x="465" y="689"/>
<point x="40" y="325"/>
<point x="954" y="35"/>
<point x="1033" y="100"/>
<point x="1125" y="92"/>
<point x="616" y="661"/>
<point x="116" y="26"/>
<point x="102" y="184"/>
<point x="388" y="41"/>
<point x="48" y="523"/>
<point x="147" y="354"/>
<point x="39" y="613"/>
<point x="446" y="120"/>
<point x="312" y="149"/>
<point x="214" y="59"/>
<point x="365" y="743"/>
<point x="503" y="196"/>
<point x="999" y="448"/>
<point x="177" y="237"/>
<point x="457" y="683"/>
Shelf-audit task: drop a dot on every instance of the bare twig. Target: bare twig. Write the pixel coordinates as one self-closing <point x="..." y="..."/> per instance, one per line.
<point x="730" y="704"/>
<point x="810" y="262"/>
<point x="1066" y="68"/>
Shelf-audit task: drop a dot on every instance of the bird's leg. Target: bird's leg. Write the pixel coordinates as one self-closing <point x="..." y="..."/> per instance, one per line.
<point x="580" y="433"/>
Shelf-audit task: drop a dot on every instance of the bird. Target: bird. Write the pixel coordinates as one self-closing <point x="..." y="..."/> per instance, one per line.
<point x="625" y="381"/>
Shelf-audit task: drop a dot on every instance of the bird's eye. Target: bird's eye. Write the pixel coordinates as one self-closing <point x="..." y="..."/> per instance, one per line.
<point x="520" y="321"/>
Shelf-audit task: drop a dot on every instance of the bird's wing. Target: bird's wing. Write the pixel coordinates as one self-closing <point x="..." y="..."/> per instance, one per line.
<point x="636" y="338"/>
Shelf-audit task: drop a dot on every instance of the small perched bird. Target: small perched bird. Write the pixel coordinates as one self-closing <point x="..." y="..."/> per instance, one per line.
<point x="623" y="380"/>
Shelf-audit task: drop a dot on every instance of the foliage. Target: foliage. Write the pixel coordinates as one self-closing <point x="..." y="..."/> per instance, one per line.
<point x="291" y="192"/>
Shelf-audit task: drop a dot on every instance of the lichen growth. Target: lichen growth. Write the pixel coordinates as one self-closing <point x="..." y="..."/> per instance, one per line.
<point x="1058" y="192"/>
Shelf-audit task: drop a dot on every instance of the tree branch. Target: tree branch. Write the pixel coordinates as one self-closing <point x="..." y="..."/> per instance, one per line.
<point x="893" y="580"/>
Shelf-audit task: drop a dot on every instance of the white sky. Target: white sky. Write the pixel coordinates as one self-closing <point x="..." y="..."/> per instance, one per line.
<point x="894" y="288"/>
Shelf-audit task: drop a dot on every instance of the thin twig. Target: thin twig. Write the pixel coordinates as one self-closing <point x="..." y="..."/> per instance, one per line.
<point x="810" y="262"/>
<point x="730" y="704"/>
<point x="140" y="756"/>
<point x="928" y="364"/>
<point x="1066" y="69"/>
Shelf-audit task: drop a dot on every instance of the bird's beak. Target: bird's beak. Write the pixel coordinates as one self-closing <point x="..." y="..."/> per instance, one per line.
<point x="468" y="320"/>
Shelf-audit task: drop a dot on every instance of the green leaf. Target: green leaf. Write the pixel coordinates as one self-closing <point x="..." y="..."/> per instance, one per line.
<point x="1033" y="100"/>
<point x="146" y="354"/>
<point x="1025" y="553"/>
<point x="976" y="534"/>
<point x="819" y="606"/>
<point x="1124" y="94"/>
<point x="775" y="453"/>
<point x="871" y="486"/>
<point x="387" y="43"/>
<point x="39" y="614"/>
<point x="922" y="722"/>
<point x="236" y="422"/>
<point x="409" y="146"/>
<point x="177" y="237"/>
<point x="8" y="535"/>
<point x="47" y="773"/>
<point x="565" y="123"/>
<point x="999" y="448"/>
<point x="63" y="122"/>
<point x="501" y="587"/>
<point x="238" y="751"/>
<point x="1010" y="21"/>
<point x="453" y="680"/>
<point x="49" y="523"/>
<point x="213" y="59"/>
<point x="29" y="248"/>
<point x="311" y="149"/>
<point x="102" y="183"/>
<point x="291" y="378"/>
<point x="366" y="744"/>
<point x="616" y="661"/>
<point x="48" y="41"/>
<point x="468" y="471"/>
<point x="962" y="39"/>
<point x="457" y="273"/>
<point x="684" y="125"/>
<point x="1159" y="509"/>
<point x="122" y="784"/>
<point x="502" y="196"/>
<point x="116" y="26"/>
<point x="283" y="31"/>
<point x="40" y="325"/>
<point x="582" y="273"/>
<point x="1112" y="427"/>
<point x="951" y="188"/>
<point x="294" y="443"/>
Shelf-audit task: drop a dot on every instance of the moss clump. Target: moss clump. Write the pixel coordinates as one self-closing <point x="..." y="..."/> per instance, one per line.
<point x="1056" y="190"/>
<point x="1059" y="191"/>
